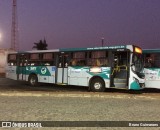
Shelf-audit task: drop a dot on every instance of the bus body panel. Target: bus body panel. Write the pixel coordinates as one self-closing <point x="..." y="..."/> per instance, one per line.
<point x="135" y="81"/>
<point x="133" y="78"/>
<point x="45" y="74"/>
<point x="59" y="75"/>
<point x="62" y="76"/>
<point x="152" y="68"/>
<point x="82" y="75"/>
<point x="11" y="72"/>
<point x="152" y="77"/>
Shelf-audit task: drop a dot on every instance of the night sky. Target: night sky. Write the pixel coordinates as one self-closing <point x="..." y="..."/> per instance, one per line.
<point x="82" y="23"/>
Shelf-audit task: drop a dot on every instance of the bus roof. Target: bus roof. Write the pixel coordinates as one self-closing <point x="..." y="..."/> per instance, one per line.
<point x="130" y="47"/>
<point x="96" y="48"/>
<point x="39" y="51"/>
<point x="151" y="50"/>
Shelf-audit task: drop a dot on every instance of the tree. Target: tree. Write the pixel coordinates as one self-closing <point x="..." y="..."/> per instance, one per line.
<point x="41" y="45"/>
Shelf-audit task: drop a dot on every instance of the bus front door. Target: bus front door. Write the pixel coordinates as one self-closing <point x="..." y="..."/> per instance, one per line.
<point x="120" y="69"/>
<point x="62" y="71"/>
<point x="21" y="67"/>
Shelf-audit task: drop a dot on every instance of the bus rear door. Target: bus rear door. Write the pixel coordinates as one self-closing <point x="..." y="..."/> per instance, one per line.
<point x="62" y="71"/>
<point x="21" y="67"/>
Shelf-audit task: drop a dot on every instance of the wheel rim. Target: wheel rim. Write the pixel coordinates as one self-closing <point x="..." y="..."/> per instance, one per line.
<point x="97" y="85"/>
<point x="32" y="81"/>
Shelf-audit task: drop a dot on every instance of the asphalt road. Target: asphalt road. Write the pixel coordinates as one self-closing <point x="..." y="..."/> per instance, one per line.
<point x="19" y="102"/>
<point x="12" y="85"/>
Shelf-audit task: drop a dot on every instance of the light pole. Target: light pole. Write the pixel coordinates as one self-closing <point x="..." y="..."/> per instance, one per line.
<point x="102" y="39"/>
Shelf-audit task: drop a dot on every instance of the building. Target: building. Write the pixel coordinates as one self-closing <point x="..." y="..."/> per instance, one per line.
<point x="3" y="59"/>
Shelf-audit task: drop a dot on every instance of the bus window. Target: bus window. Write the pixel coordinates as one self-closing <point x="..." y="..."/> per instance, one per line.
<point x="148" y="61"/>
<point x="47" y="59"/>
<point x="121" y="58"/>
<point x="78" y="59"/>
<point x="64" y="60"/>
<point x="23" y="59"/>
<point x="12" y="59"/>
<point x="34" y="59"/>
<point x="34" y="56"/>
<point x="98" y="58"/>
<point x="157" y="60"/>
<point x="152" y="60"/>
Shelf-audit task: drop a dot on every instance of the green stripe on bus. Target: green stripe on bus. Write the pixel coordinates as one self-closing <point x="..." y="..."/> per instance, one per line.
<point x="41" y="70"/>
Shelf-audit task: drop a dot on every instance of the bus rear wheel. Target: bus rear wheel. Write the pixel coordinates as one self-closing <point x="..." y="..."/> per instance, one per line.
<point x="33" y="80"/>
<point x="97" y="85"/>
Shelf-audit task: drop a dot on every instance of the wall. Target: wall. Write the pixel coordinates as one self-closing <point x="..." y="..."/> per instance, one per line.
<point x="3" y="59"/>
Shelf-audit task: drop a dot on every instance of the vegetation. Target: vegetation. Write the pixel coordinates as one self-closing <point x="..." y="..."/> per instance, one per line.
<point x="41" y="45"/>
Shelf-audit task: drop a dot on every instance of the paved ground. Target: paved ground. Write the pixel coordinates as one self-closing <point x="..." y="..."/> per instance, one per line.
<point x="19" y="102"/>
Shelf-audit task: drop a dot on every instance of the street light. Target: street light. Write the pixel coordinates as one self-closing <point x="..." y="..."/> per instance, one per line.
<point x="102" y="41"/>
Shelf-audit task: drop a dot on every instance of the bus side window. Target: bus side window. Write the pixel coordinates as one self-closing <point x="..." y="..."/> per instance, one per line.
<point x="104" y="62"/>
<point x="34" y="59"/>
<point x="12" y="60"/>
<point x="47" y="59"/>
<point x="73" y="62"/>
<point x="66" y="60"/>
<point x="156" y="59"/>
<point x="150" y="61"/>
<point x="78" y="59"/>
<point x="98" y="58"/>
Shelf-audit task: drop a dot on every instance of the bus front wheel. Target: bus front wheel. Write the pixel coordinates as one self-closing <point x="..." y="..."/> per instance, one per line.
<point x="97" y="85"/>
<point x="33" y="80"/>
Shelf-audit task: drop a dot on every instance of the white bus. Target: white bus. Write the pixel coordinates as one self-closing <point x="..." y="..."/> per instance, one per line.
<point x="152" y="68"/>
<point x="97" y="68"/>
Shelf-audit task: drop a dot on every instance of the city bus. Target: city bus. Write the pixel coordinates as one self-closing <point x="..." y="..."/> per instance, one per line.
<point x="152" y="68"/>
<point x="97" y="68"/>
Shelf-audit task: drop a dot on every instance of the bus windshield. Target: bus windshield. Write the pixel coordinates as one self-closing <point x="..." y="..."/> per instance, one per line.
<point x="137" y="62"/>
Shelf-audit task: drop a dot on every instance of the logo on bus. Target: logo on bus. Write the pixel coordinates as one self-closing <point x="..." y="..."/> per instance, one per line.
<point x="43" y="70"/>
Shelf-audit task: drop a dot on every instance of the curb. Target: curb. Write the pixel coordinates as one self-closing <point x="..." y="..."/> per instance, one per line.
<point x="78" y="95"/>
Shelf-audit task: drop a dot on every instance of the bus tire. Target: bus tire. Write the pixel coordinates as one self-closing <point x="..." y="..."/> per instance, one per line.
<point x="33" y="80"/>
<point x="97" y="85"/>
